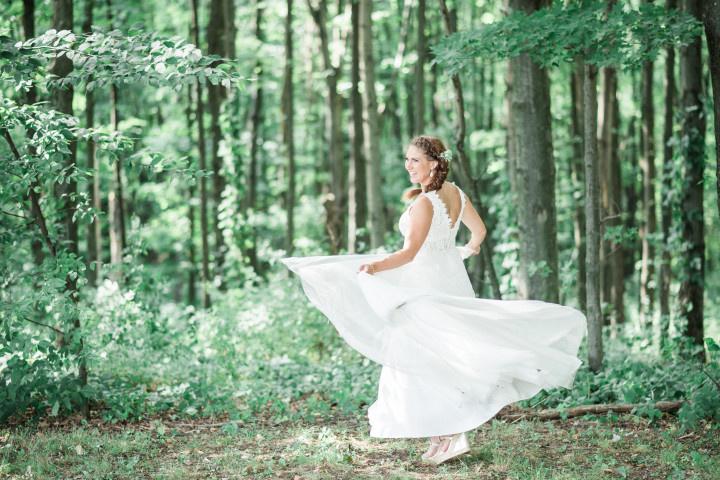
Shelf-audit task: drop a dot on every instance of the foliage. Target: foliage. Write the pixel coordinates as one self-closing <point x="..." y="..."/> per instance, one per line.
<point x="100" y="58"/>
<point x="561" y="33"/>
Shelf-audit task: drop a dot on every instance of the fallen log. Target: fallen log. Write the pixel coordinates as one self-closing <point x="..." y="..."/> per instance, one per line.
<point x="514" y="415"/>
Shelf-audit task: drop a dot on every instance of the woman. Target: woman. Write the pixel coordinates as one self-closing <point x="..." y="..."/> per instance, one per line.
<point x="450" y="361"/>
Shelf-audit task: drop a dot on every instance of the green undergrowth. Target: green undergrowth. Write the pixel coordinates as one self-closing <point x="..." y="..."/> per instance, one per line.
<point x="265" y="352"/>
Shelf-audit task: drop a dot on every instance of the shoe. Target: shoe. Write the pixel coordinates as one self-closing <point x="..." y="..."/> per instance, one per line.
<point x="457" y="445"/>
<point x="432" y="449"/>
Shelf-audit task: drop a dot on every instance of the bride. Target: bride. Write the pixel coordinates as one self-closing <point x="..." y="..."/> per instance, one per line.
<point x="450" y="360"/>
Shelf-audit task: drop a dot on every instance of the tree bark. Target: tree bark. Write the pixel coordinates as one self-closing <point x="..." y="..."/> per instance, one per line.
<point x="612" y="277"/>
<point x="514" y="415"/>
<point x="94" y="230"/>
<point x="116" y="201"/>
<point x="647" y="165"/>
<point x="667" y="204"/>
<point x="592" y="220"/>
<point x="578" y="178"/>
<point x="218" y="43"/>
<point x="256" y="121"/>
<point x="192" y="269"/>
<point x="288" y="124"/>
<point x="370" y="128"/>
<point x="335" y="201"/>
<point x="693" y="128"/>
<point x="531" y="152"/>
<point x="199" y="114"/>
<point x="28" y="23"/>
<point x="357" y="183"/>
<point x="61" y="100"/>
<point x="711" y="18"/>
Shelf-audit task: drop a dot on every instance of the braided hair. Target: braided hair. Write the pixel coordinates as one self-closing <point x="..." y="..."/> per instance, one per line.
<point x="433" y="147"/>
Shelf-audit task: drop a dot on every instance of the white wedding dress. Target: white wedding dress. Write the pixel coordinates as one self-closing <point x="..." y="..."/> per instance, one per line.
<point x="450" y="361"/>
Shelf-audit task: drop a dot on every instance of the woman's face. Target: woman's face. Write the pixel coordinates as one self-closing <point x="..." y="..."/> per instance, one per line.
<point x="418" y="165"/>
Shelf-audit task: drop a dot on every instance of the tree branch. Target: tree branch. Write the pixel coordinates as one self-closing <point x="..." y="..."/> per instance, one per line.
<point x="57" y="330"/>
<point x="34" y="198"/>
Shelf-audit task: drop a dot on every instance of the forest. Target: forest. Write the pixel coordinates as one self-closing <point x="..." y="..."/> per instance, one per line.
<point x="160" y="158"/>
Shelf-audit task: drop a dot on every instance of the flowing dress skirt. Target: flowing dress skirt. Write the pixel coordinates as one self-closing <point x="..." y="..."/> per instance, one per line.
<point x="450" y="361"/>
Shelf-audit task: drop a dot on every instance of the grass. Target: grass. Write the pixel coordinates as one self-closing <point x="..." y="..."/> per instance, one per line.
<point x="587" y="448"/>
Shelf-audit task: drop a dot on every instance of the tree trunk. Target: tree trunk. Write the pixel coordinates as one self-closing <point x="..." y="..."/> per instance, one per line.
<point x="531" y="153"/>
<point x="694" y="123"/>
<point x="392" y="102"/>
<point x="334" y="203"/>
<point x="370" y="128"/>
<point x="578" y="178"/>
<point x="94" y="236"/>
<point x="466" y="179"/>
<point x="647" y="165"/>
<point x="256" y="119"/>
<point x="419" y="91"/>
<point x="28" y="23"/>
<point x="116" y="202"/>
<point x="631" y="159"/>
<point x="61" y="100"/>
<point x="357" y="183"/>
<point x="667" y="205"/>
<point x="192" y="269"/>
<point x="199" y="114"/>
<point x="612" y="277"/>
<point x="288" y="129"/>
<point x="711" y="18"/>
<point x="592" y="220"/>
<point x="217" y="32"/>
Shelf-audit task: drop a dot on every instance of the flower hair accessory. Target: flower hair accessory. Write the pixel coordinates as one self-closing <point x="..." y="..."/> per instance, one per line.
<point x="446" y="155"/>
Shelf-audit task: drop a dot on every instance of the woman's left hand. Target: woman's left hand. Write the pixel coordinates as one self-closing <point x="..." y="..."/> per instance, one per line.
<point x="368" y="268"/>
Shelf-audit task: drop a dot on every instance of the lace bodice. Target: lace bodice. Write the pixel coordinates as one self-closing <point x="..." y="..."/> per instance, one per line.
<point x="442" y="233"/>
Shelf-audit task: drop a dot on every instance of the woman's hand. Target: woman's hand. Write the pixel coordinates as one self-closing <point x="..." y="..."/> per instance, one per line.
<point x="370" y="268"/>
<point x="476" y="250"/>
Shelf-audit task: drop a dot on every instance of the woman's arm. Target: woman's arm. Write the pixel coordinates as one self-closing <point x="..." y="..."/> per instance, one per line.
<point x="473" y="221"/>
<point x="420" y="218"/>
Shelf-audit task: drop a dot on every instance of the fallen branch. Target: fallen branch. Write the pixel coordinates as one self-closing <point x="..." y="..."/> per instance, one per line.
<point x="515" y="415"/>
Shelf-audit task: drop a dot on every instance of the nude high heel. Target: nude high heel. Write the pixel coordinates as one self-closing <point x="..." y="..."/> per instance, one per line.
<point x="457" y="445"/>
<point x="432" y="449"/>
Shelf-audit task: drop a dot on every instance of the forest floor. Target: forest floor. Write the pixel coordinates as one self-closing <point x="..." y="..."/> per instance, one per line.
<point x="581" y="448"/>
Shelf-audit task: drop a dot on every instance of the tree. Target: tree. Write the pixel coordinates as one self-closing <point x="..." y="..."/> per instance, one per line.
<point x="530" y="153"/>
<point x="116" y="197"/>
<point x="647" y="165"/>
<point x="288" y="128"/>
<point x="711" y="17"/>
<point x="693" y="232"/>
<point x="371" y="135"/>
<point x="202" y="155"/>
<point x="221" y="41"/>
<point x="357" y="183"/>
<point x="335" y="200"/>
<point x="667" y="205"/>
